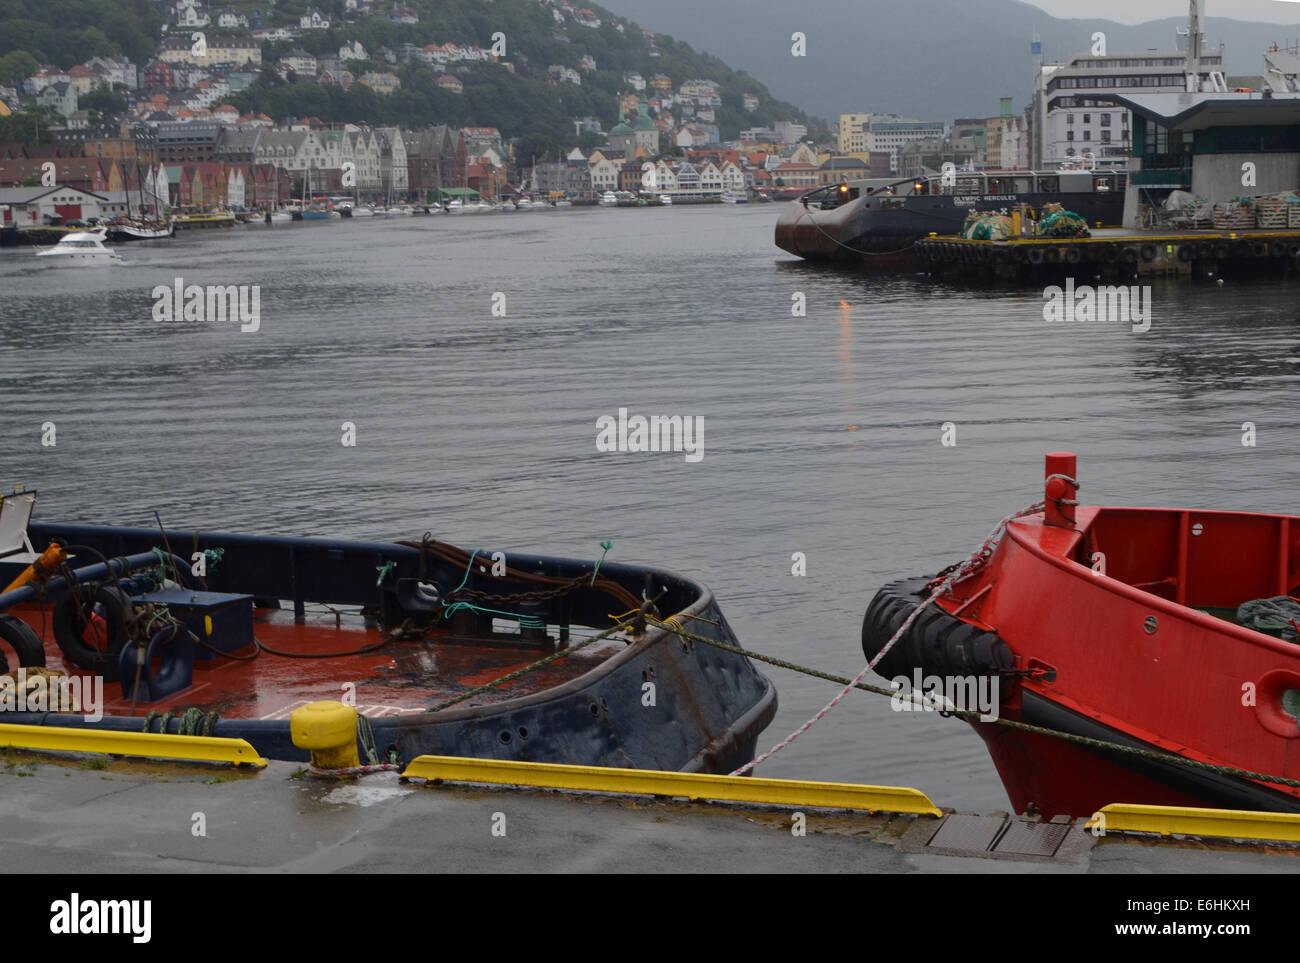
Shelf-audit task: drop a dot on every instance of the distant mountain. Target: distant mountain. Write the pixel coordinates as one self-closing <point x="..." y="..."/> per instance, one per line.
<point x="933" y="59"/>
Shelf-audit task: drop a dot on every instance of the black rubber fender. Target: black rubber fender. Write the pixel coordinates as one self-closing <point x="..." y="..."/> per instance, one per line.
<point x="1112" y="254"/>
<point x="1148" y="252"/>
<point x="1277" y="249"/>
<point x="1073" y="255"/>
<point x="1203" y="250"/>
<point x="1052" y="255"/>
<point x="69" y="625"/>
<point x="1222" y="250"/>
<point x="936" y="643"/>
<point x="23" y="640"/>
<point x="1259" y="249"/>
<point x="1130" y="256"/>
<point x="1186" y="254"/>
<point x="1035" y="255"/>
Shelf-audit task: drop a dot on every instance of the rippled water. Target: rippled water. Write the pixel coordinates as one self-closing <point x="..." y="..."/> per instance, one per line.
<point x="822" y="433"/>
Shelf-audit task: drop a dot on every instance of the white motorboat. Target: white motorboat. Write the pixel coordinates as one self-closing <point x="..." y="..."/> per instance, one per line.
<point x="666" y="200"/>
<point x="81" y="247"/>
<point x="735" y="197"/>
<point x="608" y="199"/>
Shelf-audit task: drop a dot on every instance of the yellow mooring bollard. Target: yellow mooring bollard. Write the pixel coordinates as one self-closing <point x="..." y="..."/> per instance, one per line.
<point x="329" y="731"/>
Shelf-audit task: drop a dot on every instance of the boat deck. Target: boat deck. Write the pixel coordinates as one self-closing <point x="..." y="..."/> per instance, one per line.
<point x="1116" y="253"/>
<point x="398" y="678"/>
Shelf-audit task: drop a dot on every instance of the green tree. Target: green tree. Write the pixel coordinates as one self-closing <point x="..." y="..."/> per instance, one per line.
<point x="589" y="140"/>
<point x="28" y="127"/>
<point x="103" y="100"/>
<point x="17" y="66"/>
<point x="544" y="147"/>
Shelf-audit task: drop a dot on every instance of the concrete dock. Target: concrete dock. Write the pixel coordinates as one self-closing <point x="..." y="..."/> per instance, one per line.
<point x="92" y="815"/>
<point x="1115" y="254"/>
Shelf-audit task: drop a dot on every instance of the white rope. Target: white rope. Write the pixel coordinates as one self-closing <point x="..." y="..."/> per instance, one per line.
<point x="967" y="568"/>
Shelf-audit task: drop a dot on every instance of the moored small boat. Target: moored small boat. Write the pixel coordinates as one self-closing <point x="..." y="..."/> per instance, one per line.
<point x="210" y="219"/>
<point x="1168" y="636"/>
<point x="445" y="651"/>
<point x="137" y="229"/>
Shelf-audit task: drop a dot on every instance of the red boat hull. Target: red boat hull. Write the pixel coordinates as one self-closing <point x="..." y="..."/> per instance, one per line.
<point x="1104" y="611"/>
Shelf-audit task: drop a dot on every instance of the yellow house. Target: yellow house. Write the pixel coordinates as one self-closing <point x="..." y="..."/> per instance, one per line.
<point x="203" y="49"/>
<point x="380" y="82"/>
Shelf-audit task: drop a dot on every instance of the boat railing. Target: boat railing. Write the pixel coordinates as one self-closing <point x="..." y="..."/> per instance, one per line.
<point x="310" y="570"/>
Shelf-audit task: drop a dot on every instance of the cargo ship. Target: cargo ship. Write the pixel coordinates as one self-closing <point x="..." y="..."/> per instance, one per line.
<point x="875" y="222"/>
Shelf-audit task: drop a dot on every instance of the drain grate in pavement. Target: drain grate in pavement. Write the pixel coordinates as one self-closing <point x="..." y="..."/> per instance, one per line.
<point x="999" y="836"/>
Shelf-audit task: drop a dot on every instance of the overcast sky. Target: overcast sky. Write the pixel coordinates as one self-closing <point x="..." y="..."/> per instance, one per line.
<point x="1138" y="11"/>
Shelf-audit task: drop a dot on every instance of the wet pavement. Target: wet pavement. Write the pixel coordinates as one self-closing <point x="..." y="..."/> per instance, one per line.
<point x="93" y="816"/>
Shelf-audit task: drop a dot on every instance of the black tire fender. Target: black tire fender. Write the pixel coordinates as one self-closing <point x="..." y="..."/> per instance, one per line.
<point x="936" y="643"/>
<point x="23" y="640"/>
<point x="69" y="626"/>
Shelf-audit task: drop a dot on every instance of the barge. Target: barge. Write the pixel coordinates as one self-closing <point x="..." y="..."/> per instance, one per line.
<point x="878" y="222"/>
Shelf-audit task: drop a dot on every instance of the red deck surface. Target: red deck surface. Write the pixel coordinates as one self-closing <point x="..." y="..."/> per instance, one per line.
<point x="401" y="677"/>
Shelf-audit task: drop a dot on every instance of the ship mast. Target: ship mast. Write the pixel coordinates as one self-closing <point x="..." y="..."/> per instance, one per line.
<point x="1194" y="41"/>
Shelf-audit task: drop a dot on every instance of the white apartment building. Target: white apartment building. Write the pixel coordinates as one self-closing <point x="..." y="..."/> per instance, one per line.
<point x="892" y="133"/>
<point x="1073" y="116"/>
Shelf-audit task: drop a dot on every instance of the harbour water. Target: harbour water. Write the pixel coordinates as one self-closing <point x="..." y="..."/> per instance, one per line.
<point x="822" y="433"/>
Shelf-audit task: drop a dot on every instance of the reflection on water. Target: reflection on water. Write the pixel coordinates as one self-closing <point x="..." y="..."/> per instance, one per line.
<point x="824" y="430"/>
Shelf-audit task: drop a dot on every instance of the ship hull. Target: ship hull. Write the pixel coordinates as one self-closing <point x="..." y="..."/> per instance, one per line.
<point x="879" y="230"/>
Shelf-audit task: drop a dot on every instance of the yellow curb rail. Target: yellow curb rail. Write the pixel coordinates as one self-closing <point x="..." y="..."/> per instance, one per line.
<point x="691" y="785"/>
<point x="1189" y="821"/>
<point x="149" y="744"/>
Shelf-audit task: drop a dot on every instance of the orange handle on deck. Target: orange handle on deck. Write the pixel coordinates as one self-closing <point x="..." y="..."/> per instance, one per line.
<point x="50" y="559"/>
